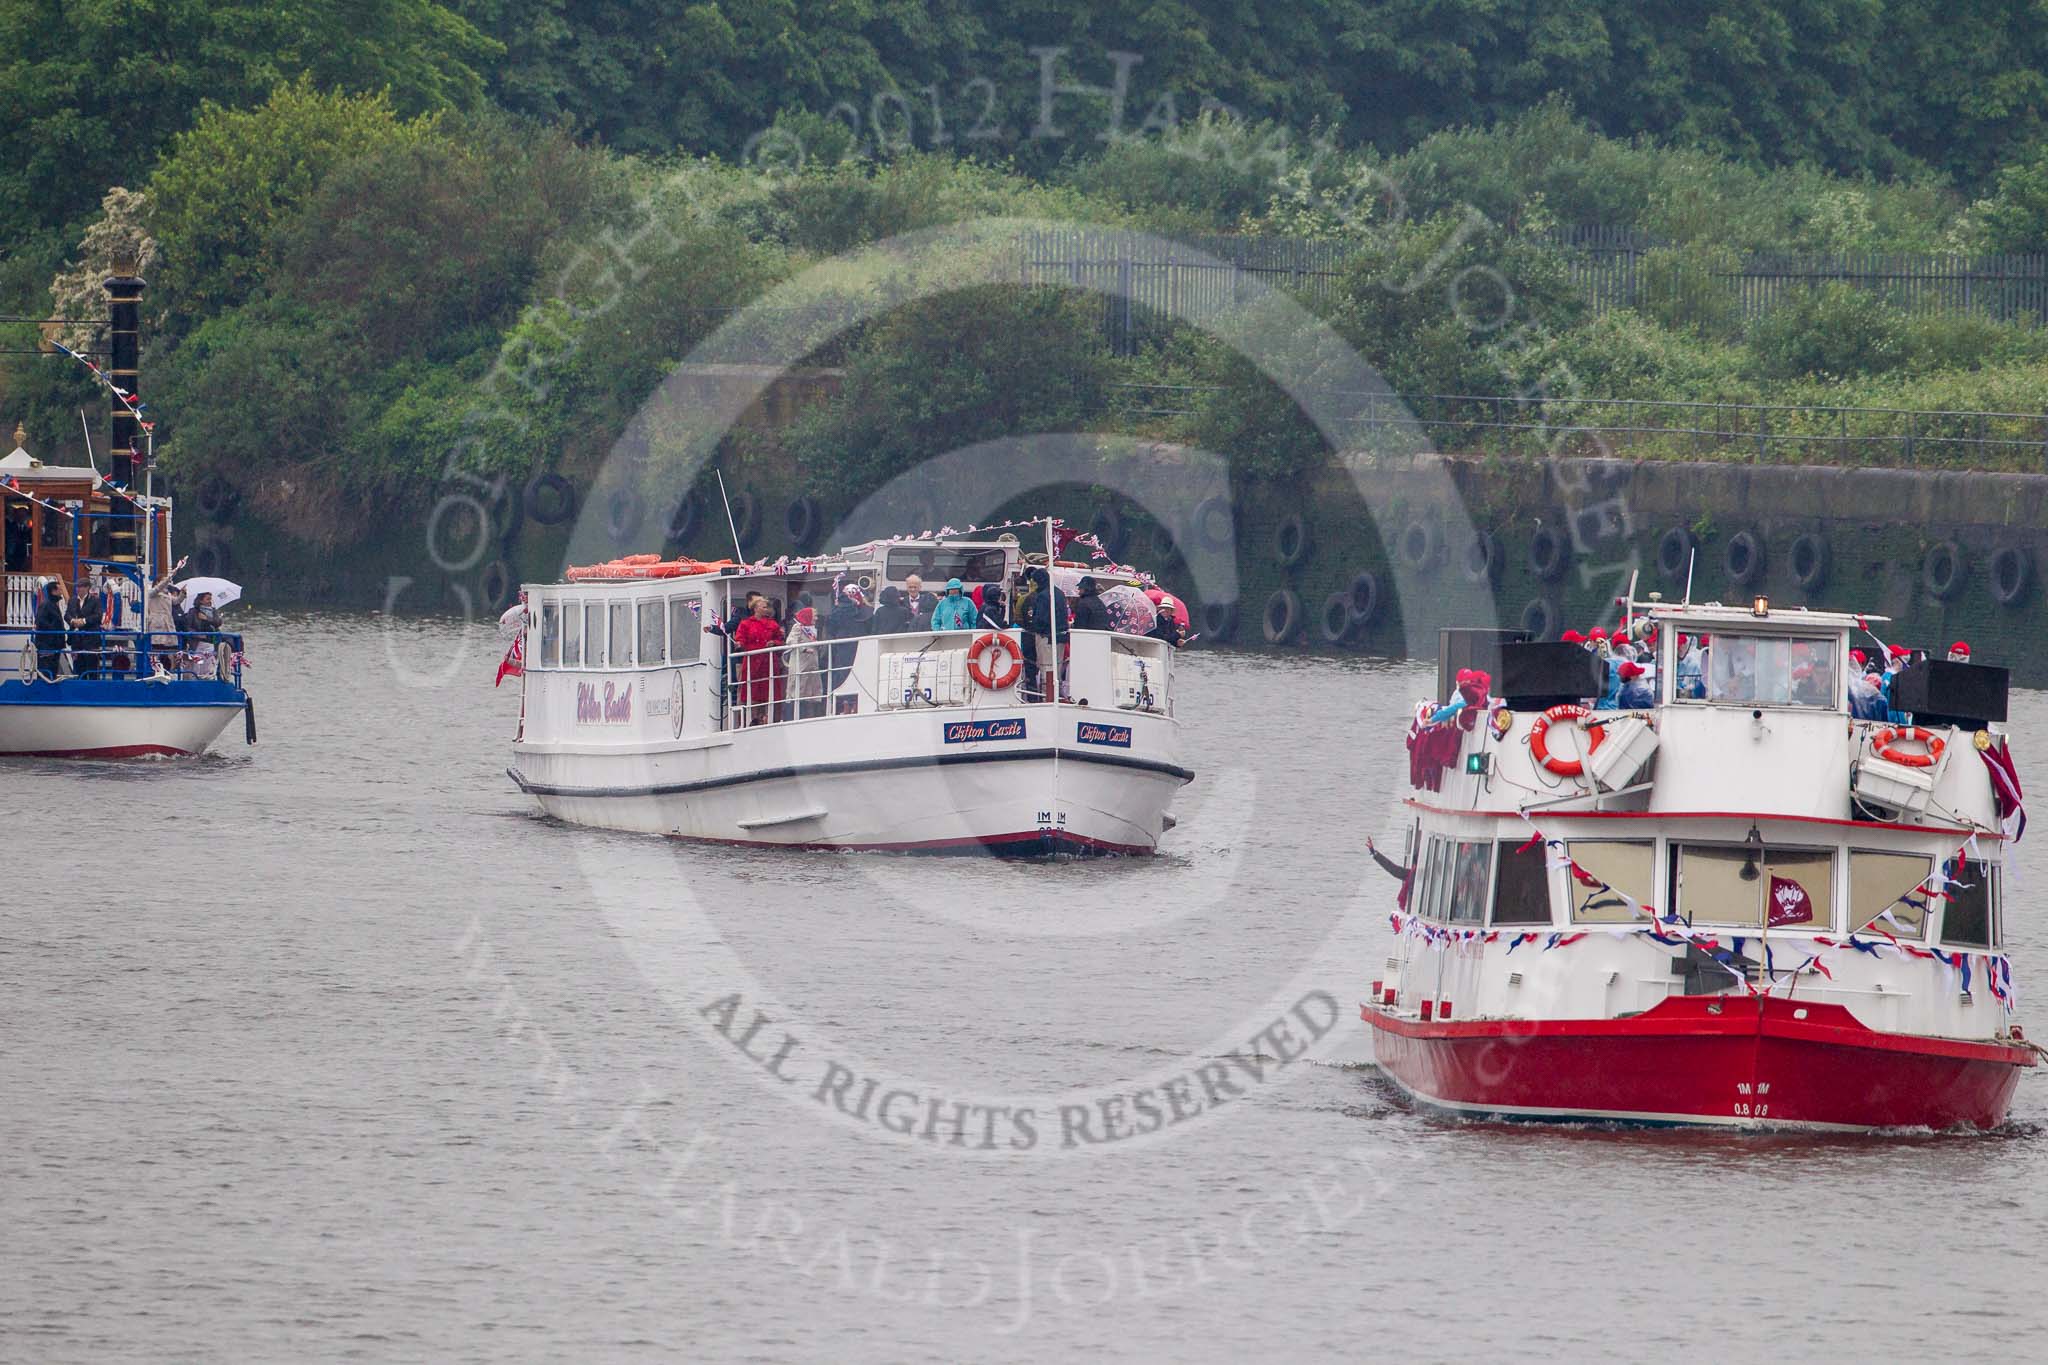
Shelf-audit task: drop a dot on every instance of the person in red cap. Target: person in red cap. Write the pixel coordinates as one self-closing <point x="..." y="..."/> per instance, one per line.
<point x="1571" y="637"/>
<point x="1689" y="679"/>
<point x="1597" y="633"/>
<point x="1959" y="652"/>
<point x="1636" y="694"/>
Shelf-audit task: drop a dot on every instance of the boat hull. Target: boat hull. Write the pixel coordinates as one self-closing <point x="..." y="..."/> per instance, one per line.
<point x="998" y="803"/>
<point x="1722" y="1061"/>
<point x="86" y="718"/>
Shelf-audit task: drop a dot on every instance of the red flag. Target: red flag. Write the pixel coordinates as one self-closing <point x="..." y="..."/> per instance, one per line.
<point x="1789" y="903"/>
<point x="2005" y="789"/>
<point x="514" y="663"/>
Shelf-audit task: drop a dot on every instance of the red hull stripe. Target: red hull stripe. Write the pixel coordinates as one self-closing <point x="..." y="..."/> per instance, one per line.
<point x="112" y="751"/>
<point x="1025" y="841"/>
<point x="1549" y="816"/>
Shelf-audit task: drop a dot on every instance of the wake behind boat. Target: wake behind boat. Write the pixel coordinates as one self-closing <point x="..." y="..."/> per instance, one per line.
<point x="647" y="705"/>
<point x="1760" y="889"/>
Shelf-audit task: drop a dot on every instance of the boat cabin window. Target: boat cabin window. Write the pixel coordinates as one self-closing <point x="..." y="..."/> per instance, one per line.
<point x="935" y="564"/>
<point x="1887" y="892"/>
<point x="550" y="633"/>
<point x="1521" y="888"/>
<point x="57" y="527"/>
<point x="1736" y="884"/>
<point x="1627" y="868"/>
<point x="1435" y="880"/>
<point x="1471" y="869"/>
<point x="621" y="655"/>
<point x="593" y="635"/>
<point x="682" y="631"/>
<point x="1968" y="918"/>
<point x="650" y="632"/>
<point x="572" y="635"/>
<point x="1772" y="670"/>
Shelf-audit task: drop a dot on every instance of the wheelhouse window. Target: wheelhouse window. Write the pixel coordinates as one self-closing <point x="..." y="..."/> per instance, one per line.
<point x="1736" y="884"/>
<point x="1969" y="915"/>
<point x="622" y="635"/>
<point x="1521" y="887"/>
<point x="550" y="634"/>
<point x="1627" y="868"/>
<point x="936" y="565"/>
<point x="1888" y="892"/>
<point x="683" y="628"/>
<point x="1772" y="670"/>
<point x="1436" y="879"/>
<point x="593" y="634"/>
<point x="572" y="635"/>
<point x="650" y="632"/>
<point x="1471" y="871"/>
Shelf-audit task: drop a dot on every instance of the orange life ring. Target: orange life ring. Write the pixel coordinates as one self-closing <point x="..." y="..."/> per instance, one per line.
<point x="1883" y="739"/>
<point x="986" y="677"/>
<point x="1563" y="767"/>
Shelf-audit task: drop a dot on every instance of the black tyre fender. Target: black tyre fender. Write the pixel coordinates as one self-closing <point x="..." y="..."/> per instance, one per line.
<point x="688" y="516"/>
<point x="1811" y="559"/>
<point x="622" y="514"/>
<point x="1365" y="597"/>
<point x="1218" y="620"/>
<point x="1944" y="571"/>
<point x="2012" y="573"/>
<point x="210" y="560"/>
<point x="1282" y="617"/>
<point x="746" y="517"/>
<point x="1107" y="526"/>
<point x="1292" y="544"/>
<point x="1674" y="553"/>
<point x="1539" y="618"/>
<point x="1482" y="561"/>
<point x="1420" y="546"/>
<point x="217" y="498"/>
<point x="1213" y="524"/>
<point x="1743" y="560"/>
<point x="1550" y="554"/>
<point x="497" y="583"/>
<point x="549" y="499"/>
<point x="1338" y="622"/>
<point x="801" y="520"/>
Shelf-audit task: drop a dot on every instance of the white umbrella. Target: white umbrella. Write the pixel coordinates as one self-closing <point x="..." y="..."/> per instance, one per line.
<point x="513" y="622"/>
<point x="223" y="591"/>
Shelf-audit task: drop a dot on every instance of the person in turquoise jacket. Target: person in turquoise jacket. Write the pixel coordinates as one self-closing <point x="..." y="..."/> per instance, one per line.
<point x="955" y="610"/>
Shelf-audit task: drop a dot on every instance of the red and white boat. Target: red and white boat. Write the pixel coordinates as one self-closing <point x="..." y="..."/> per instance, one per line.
<point x="1738" y="905"/>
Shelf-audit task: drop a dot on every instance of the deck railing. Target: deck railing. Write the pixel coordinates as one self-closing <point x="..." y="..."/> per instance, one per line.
<point x="142" y="656"/>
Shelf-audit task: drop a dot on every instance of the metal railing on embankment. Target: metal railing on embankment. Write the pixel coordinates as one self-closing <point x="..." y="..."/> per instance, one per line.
<point x="1761" y="433"/>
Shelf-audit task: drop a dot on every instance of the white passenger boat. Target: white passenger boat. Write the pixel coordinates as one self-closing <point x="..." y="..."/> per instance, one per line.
<point x="638" y="714"/>
<point x="1760" y="898"/>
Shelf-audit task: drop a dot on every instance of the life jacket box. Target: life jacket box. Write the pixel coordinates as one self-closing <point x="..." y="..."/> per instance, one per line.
<point x="935" y="677"/>
<point x="1889" y="786"/>
<point x="1536" y="677"/>
<point x="1630" y="744"/>
<point x="1133" y="685"/>
<point x="1938" y="692"/>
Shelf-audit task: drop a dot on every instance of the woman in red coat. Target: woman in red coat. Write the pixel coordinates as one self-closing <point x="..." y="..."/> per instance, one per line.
<point x="759" y="675"/>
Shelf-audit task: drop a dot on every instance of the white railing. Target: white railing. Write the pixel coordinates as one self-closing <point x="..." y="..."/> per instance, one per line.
<point x="21" y="600"/>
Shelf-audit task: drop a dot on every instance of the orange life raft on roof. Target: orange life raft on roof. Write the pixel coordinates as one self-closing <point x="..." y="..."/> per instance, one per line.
<point x="643" y="566"/>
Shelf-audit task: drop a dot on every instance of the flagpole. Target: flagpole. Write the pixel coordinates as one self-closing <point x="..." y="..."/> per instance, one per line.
<point x="1052" y="616"/>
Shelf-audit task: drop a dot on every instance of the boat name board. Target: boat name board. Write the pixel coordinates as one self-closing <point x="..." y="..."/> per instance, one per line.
<point x="1111" y="736"/>
<point x="612" y="706"/>
<point x="974" y="731"/>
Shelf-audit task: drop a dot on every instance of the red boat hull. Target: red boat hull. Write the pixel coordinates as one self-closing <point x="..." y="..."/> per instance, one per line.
<point x="1759" y="1062"/>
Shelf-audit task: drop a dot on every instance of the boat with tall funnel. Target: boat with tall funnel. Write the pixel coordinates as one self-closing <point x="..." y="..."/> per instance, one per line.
<point x="1725" y="869"/>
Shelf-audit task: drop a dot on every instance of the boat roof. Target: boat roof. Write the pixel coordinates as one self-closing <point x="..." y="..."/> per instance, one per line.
<point x="1747" y="614"/>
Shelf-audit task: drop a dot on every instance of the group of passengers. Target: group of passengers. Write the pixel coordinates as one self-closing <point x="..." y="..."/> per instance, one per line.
<point x="1630" y="662"/>
<point x="82" y="623"/>
<point x="812" y="657"/>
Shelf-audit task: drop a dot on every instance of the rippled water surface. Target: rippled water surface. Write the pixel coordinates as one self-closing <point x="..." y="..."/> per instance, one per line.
<point x="331" y="1048"/>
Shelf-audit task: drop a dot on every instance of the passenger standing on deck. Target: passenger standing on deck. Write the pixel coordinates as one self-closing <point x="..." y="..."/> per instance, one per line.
<point x="88" y="619"/>
<point x="1089" y="611"/>
<point x="803" y="663"/>
<point x="160" y="616"/>
<point x="845" y="623"/>
<point x="892" y="617"/>
<point x="1042" y="607"/>
<point x="916" y="602"/>
<point x="759" y="674"/>
<point x="50" y="627"/>
<point x="955" y="610"/>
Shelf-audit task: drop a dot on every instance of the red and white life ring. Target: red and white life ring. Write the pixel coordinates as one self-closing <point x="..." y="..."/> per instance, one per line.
<point x="1564" y="767"/>
<point x="986" y="677"/>
<point x="1883" y="739"/>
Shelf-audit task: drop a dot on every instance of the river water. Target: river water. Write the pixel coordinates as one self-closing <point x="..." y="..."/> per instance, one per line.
<point x="331" y="1048"/>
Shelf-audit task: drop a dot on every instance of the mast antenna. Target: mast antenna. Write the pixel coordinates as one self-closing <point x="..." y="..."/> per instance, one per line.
<point x="737" y="552"/>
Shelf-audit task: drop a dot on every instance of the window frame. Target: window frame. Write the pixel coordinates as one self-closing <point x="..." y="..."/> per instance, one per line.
<point x="572" y="610"/>
<point x="641" y="609"/>
<point x="1573" y="903"/>
<point x="694" y="633"/>
<point x="1994" y="895"/>
<point x="593" y="641"/>
<point x="1503" y="850"/>
<point x="1837" y="645"/>
<point x="1452" y="905"/>
<point x="1679" y="848"/>
<point x="1928" y="862"/>
<point x="549" y="651"/>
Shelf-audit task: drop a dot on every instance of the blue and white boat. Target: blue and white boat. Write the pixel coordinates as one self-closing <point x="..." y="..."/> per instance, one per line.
<point x="122" y="691"/>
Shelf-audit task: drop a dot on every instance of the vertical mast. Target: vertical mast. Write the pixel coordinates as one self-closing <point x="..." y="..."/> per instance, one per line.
<point x="124" y="328"/>
<point x="1052" y="616"/>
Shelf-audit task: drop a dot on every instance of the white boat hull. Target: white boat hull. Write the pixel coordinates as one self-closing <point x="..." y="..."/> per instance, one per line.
<point x="885" y="785"/>
<point x="112" y="731"/>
